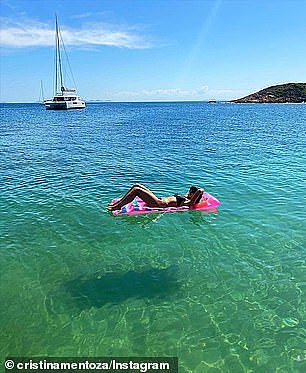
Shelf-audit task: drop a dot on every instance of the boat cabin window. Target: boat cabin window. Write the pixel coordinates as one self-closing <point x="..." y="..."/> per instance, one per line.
<point x="65" y="98"/>
<point x="69" y="98"/>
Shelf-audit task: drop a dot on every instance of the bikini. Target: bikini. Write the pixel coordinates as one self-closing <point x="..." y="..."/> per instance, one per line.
<point x="180" y="199"/>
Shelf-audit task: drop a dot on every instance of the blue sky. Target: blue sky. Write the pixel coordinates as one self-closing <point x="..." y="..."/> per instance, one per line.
<point x="148" y="50"/>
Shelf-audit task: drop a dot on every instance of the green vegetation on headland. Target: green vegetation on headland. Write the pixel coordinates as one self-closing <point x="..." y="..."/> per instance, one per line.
<point x="290" y="92"/>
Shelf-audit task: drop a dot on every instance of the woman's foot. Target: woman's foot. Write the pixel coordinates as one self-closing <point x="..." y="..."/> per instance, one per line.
<point x="112" y="207"/>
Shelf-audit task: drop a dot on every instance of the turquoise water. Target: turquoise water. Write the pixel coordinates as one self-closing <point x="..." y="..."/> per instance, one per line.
<point x="225" y="291"/>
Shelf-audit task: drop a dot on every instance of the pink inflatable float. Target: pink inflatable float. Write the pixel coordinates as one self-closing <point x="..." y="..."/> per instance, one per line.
<point x="208" y="202"/>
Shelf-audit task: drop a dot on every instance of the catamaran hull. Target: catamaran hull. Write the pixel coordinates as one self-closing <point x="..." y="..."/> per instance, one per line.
<point x="51" y="105"/>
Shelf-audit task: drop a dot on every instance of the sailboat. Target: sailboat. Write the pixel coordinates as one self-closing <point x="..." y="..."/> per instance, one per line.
<point x="64" y="98"/>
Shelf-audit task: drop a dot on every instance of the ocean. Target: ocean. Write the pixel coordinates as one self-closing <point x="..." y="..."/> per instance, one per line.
<point x="223" y="291"/>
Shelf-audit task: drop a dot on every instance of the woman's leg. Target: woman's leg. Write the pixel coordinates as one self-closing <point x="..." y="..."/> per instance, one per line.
<point x="137" y="191"/>
<point x="132" y="187"/>
<point x="140" y="186"/>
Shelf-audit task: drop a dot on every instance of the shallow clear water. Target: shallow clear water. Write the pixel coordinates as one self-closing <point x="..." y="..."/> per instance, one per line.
<point x="225" y="291"/>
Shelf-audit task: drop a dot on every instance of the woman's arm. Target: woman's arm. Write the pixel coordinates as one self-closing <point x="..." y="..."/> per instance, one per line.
<point x="196" y="197"/>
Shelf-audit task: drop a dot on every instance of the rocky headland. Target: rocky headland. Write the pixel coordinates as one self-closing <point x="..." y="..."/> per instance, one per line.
<point x="282" y="93"/>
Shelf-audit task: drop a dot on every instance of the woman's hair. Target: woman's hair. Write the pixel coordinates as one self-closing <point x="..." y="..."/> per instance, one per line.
<point x="192" y="190"/>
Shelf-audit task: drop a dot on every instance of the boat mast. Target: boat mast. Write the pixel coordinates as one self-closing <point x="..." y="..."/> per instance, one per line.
<point x="58" y="64"/>
<point x="41" y="95"/>
<point x="55" y="59"/>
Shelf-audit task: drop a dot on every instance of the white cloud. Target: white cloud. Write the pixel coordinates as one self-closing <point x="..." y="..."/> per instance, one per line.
<point x="30" y="34"/>
<point x="171" y="92"/>
<point x="177" y="92"/>
<point x="82" y="15"/>
<point x="198" y="93"/>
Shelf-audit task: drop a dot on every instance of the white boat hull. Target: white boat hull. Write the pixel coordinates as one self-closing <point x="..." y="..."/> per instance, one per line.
<point x="64" y="105"/>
